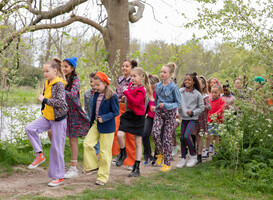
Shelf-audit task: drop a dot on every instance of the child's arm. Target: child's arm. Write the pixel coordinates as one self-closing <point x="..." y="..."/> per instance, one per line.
<point x="75" y="89"/>
<point x="200" y="106"/>
<point x="58" y="97"/>
<point x="177" y="100"/>
<point x="135" y="100"/>
<point x="114" y="108"/>
<point x="220" y="111"/>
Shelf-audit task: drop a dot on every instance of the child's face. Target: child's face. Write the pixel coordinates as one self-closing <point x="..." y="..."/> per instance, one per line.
<point x="237" y="84"/>
<point x="92" y="84"/>
<point x="49" y="73"/>
<point x="99" y="86"/>
<point x="215" y="93"/>
<point x="188" y="81"/>
<point x="67" y="69"/>
<point x="212" y="82"/>
<point x="136" y="78"/>
<point x="226" y="91"/>
<point x="126" y="68"/>
<point x="165" y="73"/>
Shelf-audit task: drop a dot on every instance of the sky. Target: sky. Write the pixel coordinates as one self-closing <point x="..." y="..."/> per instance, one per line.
<point x="163" y="20"/>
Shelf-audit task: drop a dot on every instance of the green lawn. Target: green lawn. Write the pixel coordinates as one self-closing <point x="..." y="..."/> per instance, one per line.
<point x="201" y="182"/>
<point x="17" y="96"/>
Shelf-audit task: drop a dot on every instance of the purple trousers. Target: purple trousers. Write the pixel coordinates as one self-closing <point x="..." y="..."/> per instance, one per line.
<point x="56" y="159"/>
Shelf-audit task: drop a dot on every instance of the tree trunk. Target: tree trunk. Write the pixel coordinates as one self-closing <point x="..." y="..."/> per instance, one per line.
<point x="117" y="38"/>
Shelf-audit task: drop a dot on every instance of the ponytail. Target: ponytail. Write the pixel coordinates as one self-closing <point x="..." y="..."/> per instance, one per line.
<point x="147" y="85"/>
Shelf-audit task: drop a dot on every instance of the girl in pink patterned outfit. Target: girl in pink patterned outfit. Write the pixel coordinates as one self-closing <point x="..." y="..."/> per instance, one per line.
<point x="202" y="124"/>
<point x="77" y="121"/>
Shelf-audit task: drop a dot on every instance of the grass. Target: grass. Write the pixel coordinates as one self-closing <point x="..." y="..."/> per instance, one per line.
<point x="201" y="182"/>
<point x="18" y="95"/>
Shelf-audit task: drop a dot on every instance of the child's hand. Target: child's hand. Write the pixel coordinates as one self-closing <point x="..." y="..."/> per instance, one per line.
<point x="189" y="112"/>
<point x="153" y="108"/>
<point x="177" y="116"/>
<point x="161" y="105"/>
<point x="123" y="99"/>
<point x="41" y="98"/>
<point x="100" y="120"/>
<point x="125" y="88"/>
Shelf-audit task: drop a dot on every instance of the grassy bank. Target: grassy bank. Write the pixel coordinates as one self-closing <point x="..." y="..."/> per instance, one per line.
<point x="19" y="95"/>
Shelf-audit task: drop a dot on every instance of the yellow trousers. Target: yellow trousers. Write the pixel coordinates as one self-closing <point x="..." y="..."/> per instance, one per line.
<point x="90" y="159"/>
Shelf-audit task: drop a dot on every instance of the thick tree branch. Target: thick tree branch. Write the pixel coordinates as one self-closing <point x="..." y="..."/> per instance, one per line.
<point x="135" y="17"/>
<point x="32" y="28"/>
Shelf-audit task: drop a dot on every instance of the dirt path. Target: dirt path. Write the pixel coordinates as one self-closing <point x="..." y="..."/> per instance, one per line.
<point x="34" y="182"/>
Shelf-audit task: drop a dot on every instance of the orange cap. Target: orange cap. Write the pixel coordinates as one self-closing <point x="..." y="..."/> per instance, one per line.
<point x="103" y="77"/>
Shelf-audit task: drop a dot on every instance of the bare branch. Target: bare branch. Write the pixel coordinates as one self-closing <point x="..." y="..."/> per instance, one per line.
<point x="152" y="10"/>
<point x="135" y="17"/>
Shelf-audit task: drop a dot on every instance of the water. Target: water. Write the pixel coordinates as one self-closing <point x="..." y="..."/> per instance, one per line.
<point x="14" y="119"/>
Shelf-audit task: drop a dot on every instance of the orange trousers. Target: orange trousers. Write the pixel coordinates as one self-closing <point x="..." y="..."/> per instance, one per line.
<point x="129" y="141"/>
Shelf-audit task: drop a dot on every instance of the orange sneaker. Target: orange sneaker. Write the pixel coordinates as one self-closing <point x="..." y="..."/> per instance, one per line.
<point x="40" y="158"/>
<point x="56" y="182"/>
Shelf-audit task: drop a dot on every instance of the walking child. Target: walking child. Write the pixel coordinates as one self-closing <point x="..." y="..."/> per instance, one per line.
<point x="149" y="122"/>
<point x="104" y="110"/>
<point x="132" y="121"/>
<point x="54" y="111"/>
<point x="88" y="102"/>
<point x="202" y="123"/>
<point x="227" y="96"/>
<point x="77" y="122"/>
<point x="167" y="100"/>
<point x="192" y="104"/>
<point x="215" y="115"/>
<point x="122" y="84"/>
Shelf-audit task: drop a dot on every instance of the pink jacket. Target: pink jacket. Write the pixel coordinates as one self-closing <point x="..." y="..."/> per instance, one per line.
<point x="136" y="99"/>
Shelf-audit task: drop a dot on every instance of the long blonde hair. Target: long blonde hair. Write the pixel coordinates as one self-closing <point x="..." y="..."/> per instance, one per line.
<point x="147" y="83"/>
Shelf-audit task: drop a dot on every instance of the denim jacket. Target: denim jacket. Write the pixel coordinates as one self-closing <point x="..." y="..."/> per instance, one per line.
<point x="169" y="95"/>
<point x="108" y="110"/>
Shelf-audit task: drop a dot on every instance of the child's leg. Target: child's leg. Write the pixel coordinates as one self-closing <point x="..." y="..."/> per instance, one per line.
<point x="74" y="151"/>
<point x="167" y="137"/>
<point x="216" y="138"/>
<point x="156" y="132"/>
<point x="33" y="129"/>
<point x="89" y="155"/>
<point x="187" y="136"/>
<point x="138" y="147"/>
<point x="199" y="140"/>
<point x="174" y="133"/>
<point x="146" y="138"/>
<point x="207" y="141"/>
<point x="106" y="142"/>
<point x="121" y="140"/>
<point x="130" y="149"/>
<point x="182" y="139"/>
<point x="56" y="160"/>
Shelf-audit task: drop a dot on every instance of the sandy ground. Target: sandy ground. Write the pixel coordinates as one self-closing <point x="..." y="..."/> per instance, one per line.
<point x="34" y="182"/>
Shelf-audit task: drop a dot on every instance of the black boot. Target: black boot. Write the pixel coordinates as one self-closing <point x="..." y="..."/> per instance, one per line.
<point x="135" y="171"/>
<point x="122" y="157"/>
<point x="199" y="158"/>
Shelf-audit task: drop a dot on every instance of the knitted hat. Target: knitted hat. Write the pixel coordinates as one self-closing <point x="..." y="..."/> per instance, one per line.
<point x="72" y="61"/>
<point x="103" y="77"/>
<point x="259" y="80"/>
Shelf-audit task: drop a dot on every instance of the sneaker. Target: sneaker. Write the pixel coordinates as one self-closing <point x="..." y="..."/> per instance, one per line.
<point x="205" y="154"/>
<point x="90" y="171"/>
<point x="159" y="159"/>
<point x="40" y="158"/>
<point x="146" y="162"/>
<point x="56" y="182"/>
<point x="71" y="173"/>
<point x="192" y="161"/>
<point x="174" y="151"/>
<point x="181" y="163"/>
<point x="121" y="159"/>
<point x="211" y="148"/>
<point x="165" y="168"/>
<point x="99" y="182"/>
<point x="130" y="167"/>
<point x="115" y="159"/>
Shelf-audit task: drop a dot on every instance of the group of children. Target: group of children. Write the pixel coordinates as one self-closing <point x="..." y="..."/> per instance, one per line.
<point x="116" y="124"/>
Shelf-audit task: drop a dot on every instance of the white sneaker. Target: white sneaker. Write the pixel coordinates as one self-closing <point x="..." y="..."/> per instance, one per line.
<point x="181" y="163"/>
<point x="211" y="150"/>
<point x="130" y="167"/>
<point x="192" y="161"/>
<point x="205" y="154"/>
<point x="71" y="173"/>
